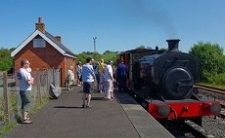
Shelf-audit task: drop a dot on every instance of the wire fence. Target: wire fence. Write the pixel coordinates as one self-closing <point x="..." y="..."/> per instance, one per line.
<point x="9" y="92"/>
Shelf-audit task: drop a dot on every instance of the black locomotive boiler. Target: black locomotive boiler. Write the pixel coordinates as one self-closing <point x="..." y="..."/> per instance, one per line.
<point x="162" y="82"/>
<point x="171" y="74"/>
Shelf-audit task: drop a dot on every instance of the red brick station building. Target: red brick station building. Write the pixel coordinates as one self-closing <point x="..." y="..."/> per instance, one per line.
<point x="44" y="51"/>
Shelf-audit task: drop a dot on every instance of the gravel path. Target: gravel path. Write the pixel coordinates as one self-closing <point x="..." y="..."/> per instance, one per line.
<point x="216" y="127"/>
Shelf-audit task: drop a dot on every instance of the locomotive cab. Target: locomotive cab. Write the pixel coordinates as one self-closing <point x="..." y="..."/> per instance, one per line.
<point x="146" y="70"/>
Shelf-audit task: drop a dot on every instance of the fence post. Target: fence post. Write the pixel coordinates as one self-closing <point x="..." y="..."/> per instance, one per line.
<point x="53" y="74"/>
<point x="5" y="98"/>
<point x="38" y="87"/>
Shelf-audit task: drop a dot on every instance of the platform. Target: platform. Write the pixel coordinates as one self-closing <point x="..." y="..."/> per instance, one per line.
<point x="64" y="118"/>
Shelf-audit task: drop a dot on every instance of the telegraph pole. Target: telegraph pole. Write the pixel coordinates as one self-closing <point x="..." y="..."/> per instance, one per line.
<point x="94" y="38"/>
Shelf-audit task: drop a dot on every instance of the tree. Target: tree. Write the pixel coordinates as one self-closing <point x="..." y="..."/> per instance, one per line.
<point x="107" y="55"/>
<point x="82" y="57"/>
<point x="161" y="50"/>
<point x="110" y="56"/>
<point x="211" y="57"/>
<point x="5" y="59"/>
<point x="140" y="47"/>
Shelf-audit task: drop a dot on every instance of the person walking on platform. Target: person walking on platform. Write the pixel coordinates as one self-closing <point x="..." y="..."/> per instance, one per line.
<point x="88" y="77"/>
<point x="25" y="85"/>
<point x="121" y="76"/>
<point x="108" y="74"/>
<point x="96" y="70"/>
<point x="70" y="77"/>
<point x="79" y="77"/>
<point x="101" y="73"/>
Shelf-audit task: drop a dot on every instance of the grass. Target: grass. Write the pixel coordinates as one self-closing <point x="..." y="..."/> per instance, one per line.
<point x="38" y="105"/>
<point x="7" y="128"/>
<point x="1" y="109"/>
<point x="35" y="108"/>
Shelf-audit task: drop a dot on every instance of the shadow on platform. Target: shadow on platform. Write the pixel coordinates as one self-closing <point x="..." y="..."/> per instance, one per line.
<point x="124" y="98"/>
<point x="69" y="107"/>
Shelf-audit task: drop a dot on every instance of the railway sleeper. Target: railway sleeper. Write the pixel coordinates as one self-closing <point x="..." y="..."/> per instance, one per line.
<point x="197" y="130"/>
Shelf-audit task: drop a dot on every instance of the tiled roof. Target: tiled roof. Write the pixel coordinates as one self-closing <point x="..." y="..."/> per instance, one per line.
<point x="59" y="43"/>
<point x="47" y="37"/>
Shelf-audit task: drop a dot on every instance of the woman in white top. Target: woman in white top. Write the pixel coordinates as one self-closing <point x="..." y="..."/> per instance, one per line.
<point x="79" y="71"/>
<point x="70" y="77"/>
<point x="108" y="76"/>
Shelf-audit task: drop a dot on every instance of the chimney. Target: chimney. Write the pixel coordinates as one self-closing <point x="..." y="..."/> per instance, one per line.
<point x="173" y="44"/>
<point x="156" y="49"/>
<point x="40" y="25"/>
<point x="58" y="38"/>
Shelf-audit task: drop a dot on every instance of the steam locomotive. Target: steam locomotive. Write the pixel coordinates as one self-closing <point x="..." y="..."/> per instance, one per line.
<point x="163" y="82"/>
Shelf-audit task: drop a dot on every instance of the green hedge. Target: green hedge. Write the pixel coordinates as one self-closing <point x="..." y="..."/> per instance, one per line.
<point x="212" y="62"/>
<point x="214" y="78"/>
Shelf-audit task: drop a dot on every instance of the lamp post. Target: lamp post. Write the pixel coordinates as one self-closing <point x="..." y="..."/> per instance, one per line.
<point x="94" y="38"/>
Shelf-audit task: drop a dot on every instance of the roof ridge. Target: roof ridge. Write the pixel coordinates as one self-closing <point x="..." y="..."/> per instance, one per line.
<point x="50" y="39"/>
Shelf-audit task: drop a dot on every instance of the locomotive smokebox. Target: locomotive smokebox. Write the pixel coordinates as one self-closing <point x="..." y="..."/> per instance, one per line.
<point x="173" y="44"/>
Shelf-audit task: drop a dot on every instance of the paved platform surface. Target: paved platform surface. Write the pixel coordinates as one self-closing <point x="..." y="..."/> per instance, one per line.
<point x="64" y="118"/>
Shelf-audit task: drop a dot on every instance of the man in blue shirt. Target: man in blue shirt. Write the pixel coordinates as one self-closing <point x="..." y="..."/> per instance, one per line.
<point x="121" y="76"/>
<point x="88" y="77"/>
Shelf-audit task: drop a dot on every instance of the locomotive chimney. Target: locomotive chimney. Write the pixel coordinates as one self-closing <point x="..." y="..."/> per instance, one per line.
<point x="173" y="44"/>
<point x="156" y="49"/>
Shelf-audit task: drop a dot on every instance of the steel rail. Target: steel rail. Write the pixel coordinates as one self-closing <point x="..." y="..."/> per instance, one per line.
<point x="208" y="88"/>
<point x="213" y="92"/>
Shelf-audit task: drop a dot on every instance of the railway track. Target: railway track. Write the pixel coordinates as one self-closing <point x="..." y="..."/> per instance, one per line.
<point x="187" y="129"/>
<point x="222" y="113"/>
<point x="216" y="93"/>
<point x="196" y="130"/>
<point x="210" y="89"/>
<point x="193" y="129"/>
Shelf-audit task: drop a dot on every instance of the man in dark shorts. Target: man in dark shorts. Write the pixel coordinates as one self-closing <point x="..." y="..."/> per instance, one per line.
<point x="88" y="77"/>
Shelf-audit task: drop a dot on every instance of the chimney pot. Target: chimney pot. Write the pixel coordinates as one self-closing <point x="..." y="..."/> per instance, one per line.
<point x="40" y="25"/>
<point x="40" y="20"/>
<point x="58" y="38"/>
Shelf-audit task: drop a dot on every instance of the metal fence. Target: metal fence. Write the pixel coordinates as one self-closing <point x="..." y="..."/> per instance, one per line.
<point x="9" y="91"/>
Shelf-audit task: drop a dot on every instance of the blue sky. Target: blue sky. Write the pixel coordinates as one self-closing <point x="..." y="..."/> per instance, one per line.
<point x="118" y="24"/>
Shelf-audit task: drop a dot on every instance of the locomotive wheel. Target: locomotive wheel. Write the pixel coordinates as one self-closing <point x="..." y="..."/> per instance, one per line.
<point x="177" y="83"/>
